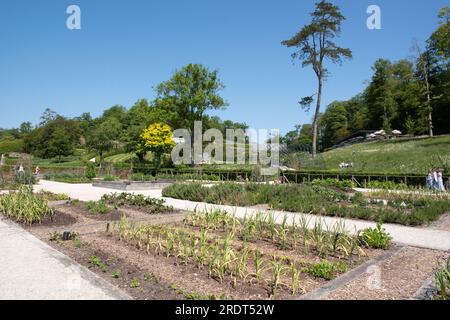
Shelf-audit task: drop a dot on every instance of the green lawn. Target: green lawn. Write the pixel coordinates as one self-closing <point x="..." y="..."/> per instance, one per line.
<point x="404" y="156"/>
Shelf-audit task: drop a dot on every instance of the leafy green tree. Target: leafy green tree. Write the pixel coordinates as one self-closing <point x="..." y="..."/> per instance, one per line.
<point x="315" y="45"/>
<point x="104" y="137"/>
<point x="438" y="54"/>
<point x="334" y="124"/>
<point x="54" y="139"/>
<point x="189" y="94"/>
<point x="380" y="97"/>
<point x="139" y="117"/>
<point x="439" y="41"/>
<point x="25" y="128"/>
<point x="60" y="144"/>
<point x="158" y="139"/>
<point x="48" y="116"/>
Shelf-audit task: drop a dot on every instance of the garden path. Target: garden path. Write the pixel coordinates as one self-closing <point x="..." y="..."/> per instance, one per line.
<point x="33" y="270"/>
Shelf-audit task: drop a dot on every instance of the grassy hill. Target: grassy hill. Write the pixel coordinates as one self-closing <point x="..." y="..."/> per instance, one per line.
<point x="405" y="156"/>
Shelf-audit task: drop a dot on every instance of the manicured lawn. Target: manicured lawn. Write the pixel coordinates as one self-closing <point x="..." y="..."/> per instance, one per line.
<point x="412" y="156"/>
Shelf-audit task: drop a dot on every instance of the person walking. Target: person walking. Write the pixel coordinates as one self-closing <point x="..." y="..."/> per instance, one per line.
<point x="430" y="179"/>
<point x="435" y="180"/>
<point x="440" y="180"/>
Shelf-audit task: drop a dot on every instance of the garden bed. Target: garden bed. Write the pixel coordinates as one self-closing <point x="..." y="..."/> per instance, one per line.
<point x="320" y="200"/>
<point x="153" y="252"/>
<point x="126" y="185"/>
<point x="239" y="263"/>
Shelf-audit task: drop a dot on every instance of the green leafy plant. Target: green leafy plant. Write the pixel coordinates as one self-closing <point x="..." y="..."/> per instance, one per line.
<point x="442" y="280"/>
<point x="97" y="207"/>
<point x="326" y="270"/>
<point x="150" y="205"/>
<point x="91" y="170"/>
<point x="376" y="238"/>
<point x="25" y="206"/>
<point x="97" y="262"/>
<point x="134" y="283"/>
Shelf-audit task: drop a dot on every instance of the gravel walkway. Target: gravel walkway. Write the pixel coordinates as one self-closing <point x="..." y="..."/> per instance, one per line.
<point x="30" y="269"/>
<point x="397" y="278"/>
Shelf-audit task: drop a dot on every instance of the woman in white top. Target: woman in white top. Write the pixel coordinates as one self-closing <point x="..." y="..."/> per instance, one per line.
<point x="440" y="181"/>
<point x="435" y="180"/>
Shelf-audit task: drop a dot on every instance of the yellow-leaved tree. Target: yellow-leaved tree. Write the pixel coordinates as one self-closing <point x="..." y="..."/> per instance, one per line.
<point x="158" y="139"/>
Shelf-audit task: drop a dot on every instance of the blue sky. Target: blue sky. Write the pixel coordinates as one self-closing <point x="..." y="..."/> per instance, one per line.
<point x="125" y="48"/>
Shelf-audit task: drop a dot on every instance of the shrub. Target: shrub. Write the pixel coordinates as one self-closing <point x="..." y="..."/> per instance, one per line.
<point x="326" y="270"/>
<point x="141" y="177"/>
<point x="97" y="207"/>
<point x="192" y="191"/>
<point x="442" y="280"/>
<point x="150" y="205"/>
<point x="376" y="238"/>
<point x="91" y="172"/>
<point x="390" y="185"/>
<point x="24" y="206"/>
<point x="110" y="177"/>
<point x="50" y="196"/>
<point x="401" y="209"/>
<point x="340" y="184"/>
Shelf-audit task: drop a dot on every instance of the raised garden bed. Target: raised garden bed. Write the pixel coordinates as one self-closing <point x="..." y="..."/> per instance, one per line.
<point x="127" y="185"/>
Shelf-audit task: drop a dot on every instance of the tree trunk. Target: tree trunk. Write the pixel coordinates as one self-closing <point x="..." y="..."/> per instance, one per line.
<point x="316" y="119"/>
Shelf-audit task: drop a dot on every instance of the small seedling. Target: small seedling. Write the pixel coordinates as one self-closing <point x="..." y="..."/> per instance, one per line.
<point x="135" y="283"/>
<point x="97" y="262"/>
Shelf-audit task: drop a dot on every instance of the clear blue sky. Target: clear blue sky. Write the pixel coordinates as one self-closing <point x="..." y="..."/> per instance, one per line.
<point x="125" y="48"/>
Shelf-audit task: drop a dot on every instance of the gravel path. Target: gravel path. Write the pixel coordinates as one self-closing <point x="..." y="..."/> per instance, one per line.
<point x="30" y="269"/>
<point x="418" y="237"/>
<point x="397" y="278"/>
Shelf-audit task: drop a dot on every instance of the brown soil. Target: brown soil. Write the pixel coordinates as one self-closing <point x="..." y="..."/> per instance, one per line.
<point x="120" y="272"/>
<point x="58" y="219"/>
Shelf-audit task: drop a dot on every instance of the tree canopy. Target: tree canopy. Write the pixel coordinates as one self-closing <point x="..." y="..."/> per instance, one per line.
<point x="315" y="44"/>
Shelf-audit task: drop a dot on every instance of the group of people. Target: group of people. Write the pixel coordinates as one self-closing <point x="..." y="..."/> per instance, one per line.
<point x="435" y="180"/>
<point x="344" y="165"/>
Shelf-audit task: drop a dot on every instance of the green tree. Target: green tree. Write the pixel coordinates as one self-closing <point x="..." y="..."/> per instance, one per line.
<point x="438" y="54"/>
<point x="48" y="116"/>
<point x="315" y="45"/>
<point x="60" y="144"/>
<point x="439" y="41"/>
<point x="56" y="138"/>
<point x="334" y="123"/>
<point x="104" y="137"/>
<point x="379" y="96"/>
<point x="189" y="94"/>
<point x="158" y="139"/>
<point x="25" y="128"/>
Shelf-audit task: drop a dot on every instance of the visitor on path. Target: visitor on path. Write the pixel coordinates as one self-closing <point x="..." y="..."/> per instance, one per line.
<point x="440" y="180"/>
<point x="430" y="179"/>
<point x="435" y="180"/>
<point x="37" y="171"/>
